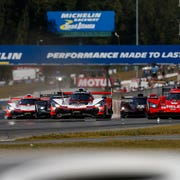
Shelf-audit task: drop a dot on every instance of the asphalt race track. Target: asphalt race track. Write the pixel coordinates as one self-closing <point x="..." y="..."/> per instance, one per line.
<point x="13" y="162"/>
<point x="11" y="129"/>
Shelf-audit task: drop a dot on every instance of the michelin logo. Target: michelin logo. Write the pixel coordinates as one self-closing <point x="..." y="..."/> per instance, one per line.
<point x="81" y="16"/>
<point x="10" y="56"/>
<point x="78" y="21"/>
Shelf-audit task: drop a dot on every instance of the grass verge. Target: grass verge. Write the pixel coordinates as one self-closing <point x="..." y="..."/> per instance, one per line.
<point x="108" y="144"/>
<point x="160" y="130"/>
<point x="116" y="144"/>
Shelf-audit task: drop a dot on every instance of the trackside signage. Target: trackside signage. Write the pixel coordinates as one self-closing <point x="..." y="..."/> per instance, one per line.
<point x="93" y="82"/>
<point x="95" y="55"/>
<point x="80" y="21"/>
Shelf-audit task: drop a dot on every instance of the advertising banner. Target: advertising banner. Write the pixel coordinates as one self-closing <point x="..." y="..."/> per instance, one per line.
<point x="93" y="82"/>
<point x="92" y="55"/>
<point x="81" y="21"/>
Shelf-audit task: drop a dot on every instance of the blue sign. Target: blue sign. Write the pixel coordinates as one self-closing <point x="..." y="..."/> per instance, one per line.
<point x="81" y="21"/>
<point x="92" y="55"/>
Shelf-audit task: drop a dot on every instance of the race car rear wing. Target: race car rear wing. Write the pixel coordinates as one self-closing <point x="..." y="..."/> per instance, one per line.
<point x="131" y="97"/>
<point x="59" y="94"/>
<point x="14" y="99"/>
<point x="101" y="93"/>
<point x="95" y="93"/>
<point x="68" y="93"/>
<point x="152" y="96"/>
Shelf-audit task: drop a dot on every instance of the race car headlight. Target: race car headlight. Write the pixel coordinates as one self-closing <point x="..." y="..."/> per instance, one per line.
<point x="42" y="107"/>
<point x="100" y="104"/>
<point x="123" y="108"/>
<point x="152" y="105"/>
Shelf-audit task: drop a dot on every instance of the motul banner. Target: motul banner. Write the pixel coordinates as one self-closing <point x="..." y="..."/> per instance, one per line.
<point x="93" y="82"/>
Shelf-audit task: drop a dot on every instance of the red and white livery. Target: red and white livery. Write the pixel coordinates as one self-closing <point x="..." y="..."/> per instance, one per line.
<point x="164" y="106"/>
<point x="82" y="103"/>
<point x="21" y="107"/>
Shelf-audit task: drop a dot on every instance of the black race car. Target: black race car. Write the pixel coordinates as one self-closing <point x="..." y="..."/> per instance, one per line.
<point x="133" y="106"/>
<point x="42" y="109"/>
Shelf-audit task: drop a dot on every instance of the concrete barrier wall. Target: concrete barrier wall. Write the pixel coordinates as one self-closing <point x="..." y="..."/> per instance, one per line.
<point x="116" y="108"/>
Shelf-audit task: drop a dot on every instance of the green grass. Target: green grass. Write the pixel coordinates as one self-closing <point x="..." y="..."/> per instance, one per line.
<point x="108" y="144"/>
<point x="175" y="144"/>
<point x="118" y="144"/>
<point x="21" y="143"/>
<point x="160" y="130"/>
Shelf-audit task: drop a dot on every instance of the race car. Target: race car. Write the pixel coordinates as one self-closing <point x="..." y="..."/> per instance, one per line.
<point x="21" y="107"/>
<point x="11" y="104"/>
<point x="167" y="106"/>
<point x="81" y="104"/>
<point x="42" y="109"/>
<point x="133" y="106"/>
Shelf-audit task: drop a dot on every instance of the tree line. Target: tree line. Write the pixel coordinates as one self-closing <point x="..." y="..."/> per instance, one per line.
<point x="24" y="22"/>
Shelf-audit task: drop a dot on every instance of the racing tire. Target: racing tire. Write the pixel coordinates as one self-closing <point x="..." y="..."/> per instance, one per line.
<point x="150" y="117"/>
<point x="37" y="116"/>
<point x="53" y="117"/>
<point x="7" y="117"/>
<point x="123" y="116"/>
<point x="105" y="116"/>
<point x="109" y="116"/>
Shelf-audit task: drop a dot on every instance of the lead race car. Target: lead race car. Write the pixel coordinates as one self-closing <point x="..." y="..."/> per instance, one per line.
<point x="81" y="103"/>
<point x="167" y="106"/>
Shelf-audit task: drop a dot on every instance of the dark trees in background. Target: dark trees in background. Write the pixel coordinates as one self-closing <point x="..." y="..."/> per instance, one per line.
<point x="24" y="21"/>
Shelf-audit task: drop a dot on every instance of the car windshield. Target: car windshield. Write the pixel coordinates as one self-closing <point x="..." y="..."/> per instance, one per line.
<point x="139" y="101"/>
<point x="14" y="101"/>
<point x="27" y="101"/>
<point x="42" y="103"/>
<point x="80" y="96"/>
<point x="173" y="96"/>
<point x="56" y="96"/>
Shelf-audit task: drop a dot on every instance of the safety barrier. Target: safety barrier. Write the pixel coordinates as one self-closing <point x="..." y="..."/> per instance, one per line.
<point x="116" y="108"/>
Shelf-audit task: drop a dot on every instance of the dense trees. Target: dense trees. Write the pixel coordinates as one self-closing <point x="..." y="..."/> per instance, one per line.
<point x="25" y="22"/>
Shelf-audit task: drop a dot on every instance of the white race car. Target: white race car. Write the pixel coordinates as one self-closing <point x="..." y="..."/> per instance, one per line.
<point x="21" y="107"/>
<point x="81" y="103"/>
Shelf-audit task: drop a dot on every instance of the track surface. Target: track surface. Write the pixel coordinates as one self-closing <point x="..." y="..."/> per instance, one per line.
<point x="10" y="129"/>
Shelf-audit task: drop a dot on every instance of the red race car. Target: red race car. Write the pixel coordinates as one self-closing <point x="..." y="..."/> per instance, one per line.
<point x="164" y="106"/>
<point x="11" y="104"/>
<point x="21" y="107"/>
<point x="81" y="103"/>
